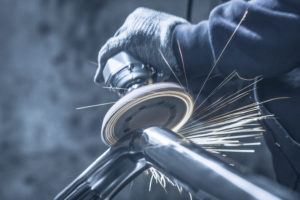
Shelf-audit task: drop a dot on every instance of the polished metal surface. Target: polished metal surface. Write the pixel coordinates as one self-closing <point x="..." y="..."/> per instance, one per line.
<point x="199" y="172"/>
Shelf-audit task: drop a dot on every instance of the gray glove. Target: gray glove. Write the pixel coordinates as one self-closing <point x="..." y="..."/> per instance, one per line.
<point x="144" y="32"/>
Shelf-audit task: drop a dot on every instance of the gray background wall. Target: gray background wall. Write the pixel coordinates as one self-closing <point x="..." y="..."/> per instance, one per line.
<point x="47" y="54"/>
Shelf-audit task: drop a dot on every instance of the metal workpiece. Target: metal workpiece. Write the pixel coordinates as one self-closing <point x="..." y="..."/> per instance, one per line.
<point x="200" y="172"/>
<point x="123" y="73"/>
<point x="185" y="163"/>
<point x="106" y="176"/>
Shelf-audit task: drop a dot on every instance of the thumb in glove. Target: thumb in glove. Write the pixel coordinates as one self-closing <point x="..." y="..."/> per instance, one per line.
<point x="142" y="35"/>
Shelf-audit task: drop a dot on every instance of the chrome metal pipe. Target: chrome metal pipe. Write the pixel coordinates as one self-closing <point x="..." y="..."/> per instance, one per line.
<point x="106" y="176"/>
<point x="198" y="171"/>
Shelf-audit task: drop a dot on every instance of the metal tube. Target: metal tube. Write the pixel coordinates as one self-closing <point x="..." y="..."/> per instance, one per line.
<point x="199" y="172"/>
<point x="105" y="177"/>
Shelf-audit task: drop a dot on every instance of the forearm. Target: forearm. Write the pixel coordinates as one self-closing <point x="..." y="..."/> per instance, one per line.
<point x="267" y="43"/>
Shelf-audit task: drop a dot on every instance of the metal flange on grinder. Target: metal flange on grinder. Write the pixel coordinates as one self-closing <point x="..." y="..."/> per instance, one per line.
<point x="144" y="101"/>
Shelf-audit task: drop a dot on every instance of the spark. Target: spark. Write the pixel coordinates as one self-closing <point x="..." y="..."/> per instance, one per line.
<point x="93" y="62"/>
<point x="237" y="92"/>
<point x="234" y="150"/>
<point x="95" y="105"/>
<point x="167" y="63"/>
<point x="221" y="54"/>
<point x="182" y="61"/>
<point x="162" y="179"/>
<point x="107" y="103"/>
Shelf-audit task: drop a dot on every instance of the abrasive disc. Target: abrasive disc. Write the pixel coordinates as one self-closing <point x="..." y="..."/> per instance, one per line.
<point x="166" y="105"/>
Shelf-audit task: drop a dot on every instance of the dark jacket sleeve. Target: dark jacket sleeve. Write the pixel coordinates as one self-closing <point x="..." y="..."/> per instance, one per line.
<point x="267" y="43"/>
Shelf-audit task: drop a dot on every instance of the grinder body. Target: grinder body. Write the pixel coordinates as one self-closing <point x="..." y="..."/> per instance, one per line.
<point x="125" y="73"/>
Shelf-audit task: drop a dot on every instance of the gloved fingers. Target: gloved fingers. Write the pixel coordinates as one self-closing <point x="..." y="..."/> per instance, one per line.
<point x="121" y="30"/>
<point x="142" y="34"/>
<point x="142" y="13"/>
<point x="139" y="19"/>
<point x="130" y="21"/>
<point x="113" y="46"/>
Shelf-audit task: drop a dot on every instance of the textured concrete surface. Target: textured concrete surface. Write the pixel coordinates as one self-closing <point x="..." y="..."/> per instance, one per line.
<point x="47" y="54"/>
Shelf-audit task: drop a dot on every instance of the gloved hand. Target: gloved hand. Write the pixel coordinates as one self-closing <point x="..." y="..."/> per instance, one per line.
<point x="144" y="32"/>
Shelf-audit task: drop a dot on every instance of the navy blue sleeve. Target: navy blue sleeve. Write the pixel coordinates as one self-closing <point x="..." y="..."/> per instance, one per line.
<point x="267" y="43"/>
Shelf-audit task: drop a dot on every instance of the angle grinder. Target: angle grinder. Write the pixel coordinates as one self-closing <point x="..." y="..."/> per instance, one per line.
<point x="144" y="102"/>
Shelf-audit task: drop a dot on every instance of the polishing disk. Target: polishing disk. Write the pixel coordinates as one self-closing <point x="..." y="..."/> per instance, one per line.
<point x="166" y="105"/>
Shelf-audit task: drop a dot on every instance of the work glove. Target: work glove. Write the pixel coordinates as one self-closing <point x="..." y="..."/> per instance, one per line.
<point x="143" y="34"/>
